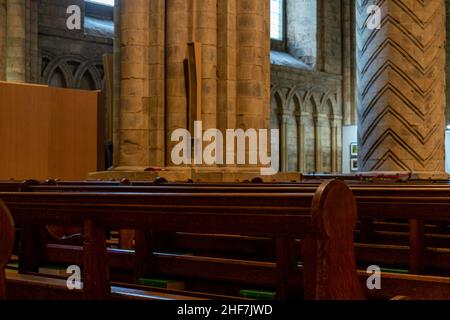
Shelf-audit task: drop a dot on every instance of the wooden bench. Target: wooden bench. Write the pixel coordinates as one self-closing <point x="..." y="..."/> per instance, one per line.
<point x="414" y="256"/>
<point x="325" y="228"/>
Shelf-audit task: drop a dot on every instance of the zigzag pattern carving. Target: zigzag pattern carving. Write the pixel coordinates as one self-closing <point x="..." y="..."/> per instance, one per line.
<point x="401" y="86"/>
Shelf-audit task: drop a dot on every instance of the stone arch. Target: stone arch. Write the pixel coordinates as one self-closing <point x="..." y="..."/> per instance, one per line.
<point x="298" y="105"/>
<point x="58" y="65"/>
<point x="88" y="69"/>
<point x="57" y="78"/>
<point x="278" y="102"/>
<point x="297" y="97"/>
<point x="313" y="106"/>
<point x="276" y="92"/>
<point x="75" y="69"/>
<point x="329" y="104"/>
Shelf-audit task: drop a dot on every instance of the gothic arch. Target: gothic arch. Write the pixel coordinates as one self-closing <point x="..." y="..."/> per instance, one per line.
<point x="58" y="65"/>
<point x="313" y="106"/>
<point x="329" y="104"/>
<point x="73" y="68"/>
<point x="88" y="67"/>
<point x="298" y="105"/>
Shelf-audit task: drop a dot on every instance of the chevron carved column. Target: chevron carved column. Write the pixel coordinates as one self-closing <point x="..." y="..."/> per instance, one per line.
<point x="401" y="86"/>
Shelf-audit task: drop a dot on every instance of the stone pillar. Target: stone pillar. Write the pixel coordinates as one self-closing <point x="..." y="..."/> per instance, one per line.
<point x="32" y="61"/>
<point x="266" y="65"/>
<point x="156" y="100"/>
<point x="226" y="64"/>
<point x="134" y="113"/>
<point x="117" y="80"/>
<point x="206" y="34"/>
<point x="348" y="63"/>
<point x="339" y="142"/>
<point x="300" y="143"/>
<point x="16" y="40"/>
<point x="27" y="40"/>
<point x="335" y="124"/>
<point x="317" y="143"/>
<point x="3" y="37"/>
<point x="177" y="38"/>
<point x="401" y="87"/>
<point x="447" y="71"/>
<point x="284" y="161"/>
<point x="235" y="75"/>
<point x="251" y="64"/>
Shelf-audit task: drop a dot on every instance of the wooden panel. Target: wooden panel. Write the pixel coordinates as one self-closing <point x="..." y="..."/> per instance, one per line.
<point x="49" y="132"/>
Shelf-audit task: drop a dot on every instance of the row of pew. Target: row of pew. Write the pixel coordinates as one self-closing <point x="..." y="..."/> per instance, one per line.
<point x="328" y="268"/>
<point x="382" y="209"/>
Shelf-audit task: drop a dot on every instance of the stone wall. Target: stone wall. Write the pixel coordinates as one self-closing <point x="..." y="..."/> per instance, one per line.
<point x="311" y="106"/>
<point x="3" y="38"/>
<point x="311" y="101"/>
<point x="302" y="30"/>
<point x="69" y="58"/>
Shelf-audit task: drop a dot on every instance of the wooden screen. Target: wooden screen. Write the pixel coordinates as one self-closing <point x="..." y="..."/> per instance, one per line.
<point x="49" y="132"/>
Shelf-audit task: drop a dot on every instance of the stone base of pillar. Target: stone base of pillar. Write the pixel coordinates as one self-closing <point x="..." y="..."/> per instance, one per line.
<point x="196" y="174"/>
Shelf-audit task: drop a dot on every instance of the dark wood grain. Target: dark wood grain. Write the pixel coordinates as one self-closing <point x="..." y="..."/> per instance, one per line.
<point x="275" y="215"/>
<point x="7" y="233"/>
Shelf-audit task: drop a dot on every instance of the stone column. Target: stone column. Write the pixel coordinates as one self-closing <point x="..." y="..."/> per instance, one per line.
<point x="235" y="79"/>
<point x="251" y="64"/>
<point x="317" y="142"/>
<point x="300" y="143"/>
<point x="284" y="161"/>
<point x="177" y="38"/>
<point x="348" y="63"/>
<point x="32" y="60"/>
<point x="226" y="64"/>
<point x="206" y="33"/>
<point x="134" y="114"/>
<point x="156" y="100"/>
<point x="117" y="80"/>
<point x="339" y="138"/>
<point x="335" y="124"/>
<point x="16" y="40"/>
<point x="3" y="38"/>
<point x="252" y="81"/>
<point x="401" y="87"/>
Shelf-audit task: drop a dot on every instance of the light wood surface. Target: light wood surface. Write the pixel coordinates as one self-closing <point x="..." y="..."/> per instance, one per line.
<point x="49" y="132"/>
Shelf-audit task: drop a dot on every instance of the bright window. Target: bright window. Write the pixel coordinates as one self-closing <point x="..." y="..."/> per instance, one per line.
<point x="277" y="19"/>
<point x="105" y="2"/>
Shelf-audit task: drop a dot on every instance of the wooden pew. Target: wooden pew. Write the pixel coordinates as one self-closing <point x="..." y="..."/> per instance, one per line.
<point x="325" y="228"/>
<point x="414" y="256"/>
<point x="7" y="186"/>
<point x="359" y="190"/>
<point x="280" y="188"/>
<point x="7" y="233"/>
<point x="377" y="178"/>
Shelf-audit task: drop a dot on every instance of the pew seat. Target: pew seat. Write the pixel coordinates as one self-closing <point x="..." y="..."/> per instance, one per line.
<point x="35" y="287"/>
